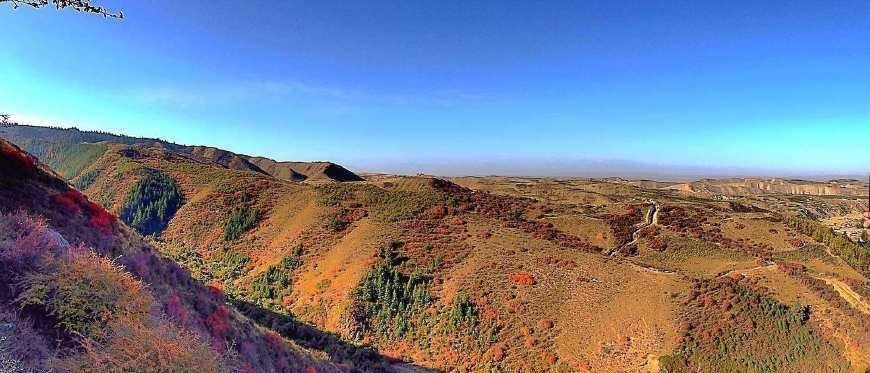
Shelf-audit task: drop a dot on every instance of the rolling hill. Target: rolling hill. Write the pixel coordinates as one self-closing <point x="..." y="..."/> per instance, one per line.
<point x="479" y="274"/>
<point x="69" y="150"/>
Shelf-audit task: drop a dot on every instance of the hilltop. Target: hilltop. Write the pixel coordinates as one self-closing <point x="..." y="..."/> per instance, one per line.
<point x="503" y="274"/>
<point x="68" y="150"/>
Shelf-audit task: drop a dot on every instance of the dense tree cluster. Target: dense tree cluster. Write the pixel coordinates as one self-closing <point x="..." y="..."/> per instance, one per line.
<point x="152" y="203"/>
<point x="387" y="299"/>
<point x="240" y="221"/>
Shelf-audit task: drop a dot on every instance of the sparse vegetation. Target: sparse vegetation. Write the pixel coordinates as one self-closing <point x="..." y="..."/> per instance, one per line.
<point x="271" y="286"/>
<point x="730" y="326"/>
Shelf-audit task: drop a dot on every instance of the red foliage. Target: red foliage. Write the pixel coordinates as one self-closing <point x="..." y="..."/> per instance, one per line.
<point x="216" y="289"/>
<point x="658" y="244"/>
<point x="791" y="268"/>
<point x="66" y="203"/>
<point x="510" y="211"/>
<point x="523" y="278"/>
<point x="73" y="202"/>
<point x="219" y="322"/>
<point x="622" y="225"/>
<point x="549" y="358"/>
<point x="176" y="309"/>
<point x="18" y="157"/>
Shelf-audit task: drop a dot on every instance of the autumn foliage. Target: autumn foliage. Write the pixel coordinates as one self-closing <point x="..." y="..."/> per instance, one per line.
<point x="523" y="278"/>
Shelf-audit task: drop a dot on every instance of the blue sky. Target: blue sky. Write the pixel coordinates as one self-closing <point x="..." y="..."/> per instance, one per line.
<point x="459" y="87"/>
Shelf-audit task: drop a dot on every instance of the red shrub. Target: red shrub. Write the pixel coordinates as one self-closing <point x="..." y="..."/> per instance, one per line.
<point x="523" y="278"/>
<point x="66" y="203"/>
<point x="73" y="202"/>
<point x="176" y="309"/>
<point x="18" y="157"/>
<point x="219" y="322"/>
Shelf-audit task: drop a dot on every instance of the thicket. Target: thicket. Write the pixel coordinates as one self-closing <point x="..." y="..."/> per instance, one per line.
<point x="854" y="254"/>
<point x="463" y="315"/>
<point x="85" y="180"/>
<point x="239" y="221"/>
<point x="152" y="203"/>
<point x="85" y="293"/>
<point x="387" y="299"/>
<point x="271" y="286"/>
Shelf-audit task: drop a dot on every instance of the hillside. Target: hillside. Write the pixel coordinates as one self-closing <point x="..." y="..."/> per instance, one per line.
<point x="70" y="150"/>
<point x="504" y="274"/>
<point x="75" y="274"/>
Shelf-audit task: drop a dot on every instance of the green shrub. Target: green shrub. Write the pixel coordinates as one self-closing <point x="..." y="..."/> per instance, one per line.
<point x="731" y="327"/>
<point x="240" y="221"/>
<point x="228" y="266"/>
<point x="463" y="314"/>
<point x="269" y="287"/>
<point x="84" y="293"/>
<point x="152" y="203"/>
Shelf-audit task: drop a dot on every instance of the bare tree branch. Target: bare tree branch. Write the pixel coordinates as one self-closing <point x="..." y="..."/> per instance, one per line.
<point x="84" y="6"/>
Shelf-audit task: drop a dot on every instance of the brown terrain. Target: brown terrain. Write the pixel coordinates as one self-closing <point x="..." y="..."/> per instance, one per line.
<point x="488" y="274"/>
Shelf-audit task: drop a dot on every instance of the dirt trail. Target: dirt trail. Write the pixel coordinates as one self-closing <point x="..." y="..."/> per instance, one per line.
<point x="848" y="294"/>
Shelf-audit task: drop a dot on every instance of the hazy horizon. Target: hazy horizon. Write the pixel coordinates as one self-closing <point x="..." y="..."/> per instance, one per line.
<point x="464" y="88"/>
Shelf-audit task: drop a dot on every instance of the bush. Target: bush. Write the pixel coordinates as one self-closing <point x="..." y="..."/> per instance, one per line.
<point x="133" y="346"/>
<point x="240" y="221"/>
<point x="228" y="266"/>
<point x="270" y="287"/>
<point x="22" y="349"/>
<point x="85" y="293"/>
<point x="26" y="242"/>
<point x="463" y="314"/>
<point x="730" y="326"/>
<point x="152" y="203"/>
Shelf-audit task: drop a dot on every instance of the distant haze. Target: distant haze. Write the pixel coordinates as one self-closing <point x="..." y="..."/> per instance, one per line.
<point x="586" y="169"/>
<point x="556" y="88"/>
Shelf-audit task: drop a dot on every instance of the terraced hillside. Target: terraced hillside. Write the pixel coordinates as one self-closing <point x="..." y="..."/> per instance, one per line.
<point x="506" y="274"/>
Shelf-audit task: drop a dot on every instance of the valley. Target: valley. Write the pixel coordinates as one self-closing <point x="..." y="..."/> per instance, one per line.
<point x="406" y="273"/>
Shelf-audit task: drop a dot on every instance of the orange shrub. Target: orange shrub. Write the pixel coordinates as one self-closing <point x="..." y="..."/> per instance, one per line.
<point x="523" y="278"/>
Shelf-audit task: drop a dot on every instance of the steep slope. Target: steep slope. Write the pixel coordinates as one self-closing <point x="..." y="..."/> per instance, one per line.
<point x="83" y="278"/>
<point x="71" y="150"/>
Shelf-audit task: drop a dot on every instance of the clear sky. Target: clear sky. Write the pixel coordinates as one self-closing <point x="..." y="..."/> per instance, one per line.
<point x="457" y="87"/>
